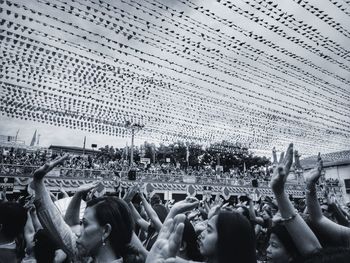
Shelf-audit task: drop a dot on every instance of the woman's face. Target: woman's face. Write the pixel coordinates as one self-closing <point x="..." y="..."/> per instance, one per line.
<point x="276" y="252"/>
<point x="90" y="238"/>
<point x="209" y="238"/>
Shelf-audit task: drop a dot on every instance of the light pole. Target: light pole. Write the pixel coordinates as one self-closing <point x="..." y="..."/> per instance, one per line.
<point x="132" y="146"/>
<point x="137" y="127"/>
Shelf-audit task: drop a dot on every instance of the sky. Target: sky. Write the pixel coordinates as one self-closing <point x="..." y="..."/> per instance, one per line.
<point x="262" y="73"/>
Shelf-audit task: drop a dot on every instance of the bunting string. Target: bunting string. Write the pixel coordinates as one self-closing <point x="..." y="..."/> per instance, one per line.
<point x="185" y="70"/>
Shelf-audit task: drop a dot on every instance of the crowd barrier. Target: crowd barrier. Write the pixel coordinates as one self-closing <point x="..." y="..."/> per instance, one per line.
<point x="19" y="176"/>
<point x="66" y="173"/>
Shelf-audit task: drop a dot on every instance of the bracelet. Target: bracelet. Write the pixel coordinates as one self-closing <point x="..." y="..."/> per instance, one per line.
<point x="285" y="220"/>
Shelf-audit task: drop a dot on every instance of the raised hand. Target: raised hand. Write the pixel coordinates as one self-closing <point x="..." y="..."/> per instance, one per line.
<point x="183" y="206"/>
<point x="169" y="240"/>
<point x="214" y="210"/>
<point x="130" y="194"/>
<point x="29" y="204"/>
<point x="87" y="187"/>
<point x="280" y="173"/>
<point x="47" y="167"/>
<point x="312" y="176"/>
<point x="218" y="200"/>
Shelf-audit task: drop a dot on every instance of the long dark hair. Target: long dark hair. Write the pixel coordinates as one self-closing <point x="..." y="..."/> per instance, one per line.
<point x="114" y="211"/>
<point x="236" y="238"/>
<point x="190" y="237"/>
<point x="45" y="247"/>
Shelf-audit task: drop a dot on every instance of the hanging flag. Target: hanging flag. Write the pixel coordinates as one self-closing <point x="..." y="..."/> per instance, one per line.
<point x="32" y="143"/>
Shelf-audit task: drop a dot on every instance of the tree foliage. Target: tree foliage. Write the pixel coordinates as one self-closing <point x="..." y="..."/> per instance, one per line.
<point x="229" y="155"/>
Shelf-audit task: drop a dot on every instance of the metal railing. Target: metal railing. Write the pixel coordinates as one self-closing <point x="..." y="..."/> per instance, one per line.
<point x="66" y="173"/>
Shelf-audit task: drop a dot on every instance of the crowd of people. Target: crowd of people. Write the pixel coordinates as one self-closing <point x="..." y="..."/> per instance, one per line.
<point x="104" y="166"/>
<point x="36" y="158"/>
<point x="132" y="227"/>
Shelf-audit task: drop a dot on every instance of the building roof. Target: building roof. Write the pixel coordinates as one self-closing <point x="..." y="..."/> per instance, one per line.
<point x="329" y="159"/>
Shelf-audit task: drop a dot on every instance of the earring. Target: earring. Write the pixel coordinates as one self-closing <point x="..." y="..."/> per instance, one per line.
<point x="103" y="242"/>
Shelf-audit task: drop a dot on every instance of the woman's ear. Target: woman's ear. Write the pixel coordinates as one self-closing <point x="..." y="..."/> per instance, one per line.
<point x="107" y="229"/>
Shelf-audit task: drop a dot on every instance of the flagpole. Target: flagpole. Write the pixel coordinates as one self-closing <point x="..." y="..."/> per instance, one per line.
<point x="132" y="146"/>
<point x="84" y="145"/>
<point x="17" y="135"/>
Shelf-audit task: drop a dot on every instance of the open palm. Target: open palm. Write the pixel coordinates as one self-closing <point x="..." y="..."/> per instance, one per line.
<point x="47" y="167"/>
<point x="312" y="176"/>
<point x="281" y="171"/>
<point x="169" y="240"/>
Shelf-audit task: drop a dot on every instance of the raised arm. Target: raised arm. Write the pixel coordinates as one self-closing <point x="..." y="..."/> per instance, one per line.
<point x="256" y="219"/>
<point x="151" y="213"/>
<point x="73" y="211"/>
<point x="50" y="218"/>
<point x="29" y="232"/>
<point x="136" y="243"/>
<point x="65" y="194"/>
<point x="304" y="239"/>
<point x="335" y="233"/>
<point x="338" y="214"/>
<point x="138" y="219"/>
<point x="35" y="220"/>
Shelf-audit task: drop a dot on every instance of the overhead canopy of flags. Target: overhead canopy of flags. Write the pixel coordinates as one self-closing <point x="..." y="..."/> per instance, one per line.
<point x="260" y="73"/>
